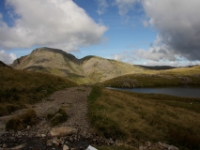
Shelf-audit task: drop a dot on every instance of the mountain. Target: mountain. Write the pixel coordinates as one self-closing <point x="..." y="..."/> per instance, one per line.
<point x="90" y="69"/>
<point x="2" y="65"/>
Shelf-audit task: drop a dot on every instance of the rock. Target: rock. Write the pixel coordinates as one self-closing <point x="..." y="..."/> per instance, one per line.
<point x="111" y="141"/>
<point x="148" y="144"/>
<point x="91" y="148"/>
<point x="28" y="127"/>
<point x="62" y="131"/>
<point x="166" y="146"/>
<point x="19" y="146"/>
<point x="49" y="143"/>
<point x="141" y="148"/>
<point x="56" y="142"/>
<point x="4" y="145"/>
<point x="71" y="139"/>
<point x="43" y="135"/>
<point x="118" y="143"/>
<point x="65" y="147"/>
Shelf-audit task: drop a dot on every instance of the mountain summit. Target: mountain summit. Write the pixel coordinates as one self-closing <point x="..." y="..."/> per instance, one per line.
<point x="90" y="69"/>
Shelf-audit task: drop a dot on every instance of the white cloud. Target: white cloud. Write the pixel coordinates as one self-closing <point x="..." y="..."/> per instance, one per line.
<point x="53" y="23"/>
<point x="141" y="57"/>
<point x="178" y="23"/>
<point x="145" y="23"/>
<point x="102" y="6"/>
<point x="7" y="58"/>
<point x="125" y="6"/>
<point x="170" y="63"/>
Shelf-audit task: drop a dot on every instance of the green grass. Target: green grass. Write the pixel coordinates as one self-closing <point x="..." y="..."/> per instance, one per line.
<point x="135" y="118"/>
<point x="28" y="118"/>
<point x="18" y="88"/>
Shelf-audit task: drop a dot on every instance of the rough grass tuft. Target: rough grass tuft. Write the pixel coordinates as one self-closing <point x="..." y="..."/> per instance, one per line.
<point x="58" y="117"/>
<point x="136" y="118"/>
<point x="22" y="121"/>
<point x="19" y="87"/>
<point x="104" y="125"/>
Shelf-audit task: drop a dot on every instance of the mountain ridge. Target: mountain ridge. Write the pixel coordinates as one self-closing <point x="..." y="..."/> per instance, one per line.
<point x="89" y="69"/>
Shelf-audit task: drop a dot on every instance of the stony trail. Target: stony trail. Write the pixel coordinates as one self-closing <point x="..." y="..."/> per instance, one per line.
<point x="74" y="100"/>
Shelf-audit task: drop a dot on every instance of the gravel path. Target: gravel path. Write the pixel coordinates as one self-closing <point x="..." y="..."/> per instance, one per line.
<point x="74" y="100"/>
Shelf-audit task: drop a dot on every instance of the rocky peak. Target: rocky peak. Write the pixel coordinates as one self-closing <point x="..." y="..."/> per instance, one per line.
<point x="55" y="51"/>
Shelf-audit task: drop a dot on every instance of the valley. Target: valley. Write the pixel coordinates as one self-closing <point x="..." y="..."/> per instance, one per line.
<point x="51" y="90"/>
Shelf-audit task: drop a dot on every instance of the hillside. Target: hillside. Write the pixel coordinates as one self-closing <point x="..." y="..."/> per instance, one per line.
<point x="145" y="117"/>
<point x="188" y="76"/>
<point x="2" y="65"/>
<point x="18" y="88"/>
<point x="90" y="69"/>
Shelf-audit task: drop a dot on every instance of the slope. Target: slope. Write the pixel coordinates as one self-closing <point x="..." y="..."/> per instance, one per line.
<point x="18" y="88"/>
<point x="88" y="70"/>
<point x="187" y="76"/>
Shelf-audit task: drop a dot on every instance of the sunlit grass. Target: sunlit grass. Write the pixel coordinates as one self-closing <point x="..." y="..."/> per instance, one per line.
<point x="136" y="118"/>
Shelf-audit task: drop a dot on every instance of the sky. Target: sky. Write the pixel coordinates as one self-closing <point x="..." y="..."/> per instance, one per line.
<point x="145" y="32"/>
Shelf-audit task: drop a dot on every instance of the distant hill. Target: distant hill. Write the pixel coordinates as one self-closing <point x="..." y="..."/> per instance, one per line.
<point x="90" y="69"/>
<point x="184" y="76"/>
<point x="157" y="67"/>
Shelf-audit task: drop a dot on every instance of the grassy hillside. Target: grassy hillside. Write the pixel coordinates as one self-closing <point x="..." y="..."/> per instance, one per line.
<point x="136" y="118"/>
<point x="88" y="70"/>
<point x="99" y="69"/>
<point x="173" y="77"/>
<point x="18" y="88"/>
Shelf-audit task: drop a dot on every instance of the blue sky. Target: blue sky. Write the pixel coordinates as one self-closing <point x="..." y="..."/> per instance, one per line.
<point x="147" y="32"/>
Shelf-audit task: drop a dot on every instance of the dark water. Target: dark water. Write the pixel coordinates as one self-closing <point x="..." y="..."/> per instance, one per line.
<point x="182" y="91"/>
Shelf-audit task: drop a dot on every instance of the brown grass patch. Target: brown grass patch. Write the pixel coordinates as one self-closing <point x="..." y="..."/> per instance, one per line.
<point x="137" y="118"/>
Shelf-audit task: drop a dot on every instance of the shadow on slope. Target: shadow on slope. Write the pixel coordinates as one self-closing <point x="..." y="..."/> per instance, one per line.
<point x="18" y="88"/>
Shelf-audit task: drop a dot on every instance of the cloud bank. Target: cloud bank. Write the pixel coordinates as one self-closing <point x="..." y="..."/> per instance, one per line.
<point x="7" y="58"/>
<point x="54" y="23"/>
<point x="178" y="25"/>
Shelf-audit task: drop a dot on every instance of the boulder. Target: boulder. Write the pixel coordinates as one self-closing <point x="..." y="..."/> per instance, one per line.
<point x="65" y="147"/>
<point x="62" y="131"/>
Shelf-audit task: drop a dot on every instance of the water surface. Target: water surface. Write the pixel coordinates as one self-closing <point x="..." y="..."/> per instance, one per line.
<point x="182" y="91"/>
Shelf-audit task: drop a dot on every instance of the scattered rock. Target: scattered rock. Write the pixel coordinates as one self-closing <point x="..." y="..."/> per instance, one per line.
<point x="158" y="146"/>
